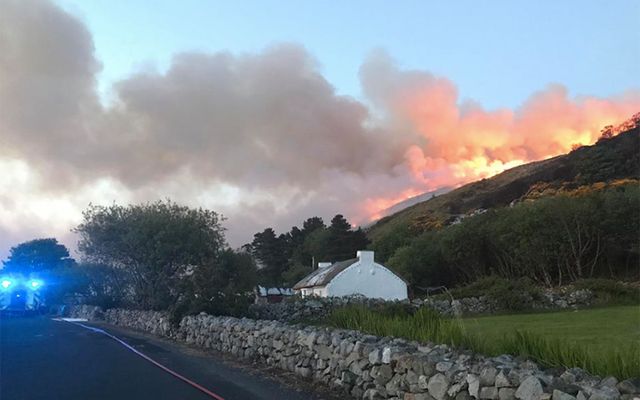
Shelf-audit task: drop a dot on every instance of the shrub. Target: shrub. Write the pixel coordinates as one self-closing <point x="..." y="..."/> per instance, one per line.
<point x="512" y="295"/>
<point x="477" y="288"/>
<point x="515" y="295"/>
<point x="229" y="304"/>
<point x="608" y="291"/>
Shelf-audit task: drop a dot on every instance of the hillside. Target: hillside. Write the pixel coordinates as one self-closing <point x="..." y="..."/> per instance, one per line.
<point x="608" y="160"/>
<point x="396" y="208"/>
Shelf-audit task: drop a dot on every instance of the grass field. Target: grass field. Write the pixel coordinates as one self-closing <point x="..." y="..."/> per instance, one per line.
<point x="603" y="341"/>
<point x="601" y="329"/>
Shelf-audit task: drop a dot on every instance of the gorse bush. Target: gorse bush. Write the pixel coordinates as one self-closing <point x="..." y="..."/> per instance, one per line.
<point x="426" y="325"/>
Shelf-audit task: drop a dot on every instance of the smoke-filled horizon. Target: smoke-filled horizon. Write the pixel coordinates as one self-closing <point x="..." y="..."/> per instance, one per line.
<point x="261" y="137"/>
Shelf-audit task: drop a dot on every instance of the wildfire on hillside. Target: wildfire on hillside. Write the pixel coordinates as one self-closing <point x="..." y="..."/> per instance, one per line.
<point x="465" y="147"/>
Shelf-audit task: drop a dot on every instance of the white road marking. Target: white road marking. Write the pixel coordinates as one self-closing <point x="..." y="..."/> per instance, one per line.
<point x="204" y="390"/>
<point x="71" y="319"/>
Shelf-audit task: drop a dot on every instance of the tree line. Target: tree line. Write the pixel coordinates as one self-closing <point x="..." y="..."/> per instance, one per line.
<point x="162" y="255"/>
<point x="166" y="256"/>
<point x="553" y="241"/>
<point x="286" y="258"/>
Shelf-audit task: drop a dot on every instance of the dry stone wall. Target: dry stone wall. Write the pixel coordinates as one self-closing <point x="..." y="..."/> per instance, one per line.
<point x="369" y="367"/>
<point x="550" y="300"/>
<point x="297" y="309"/>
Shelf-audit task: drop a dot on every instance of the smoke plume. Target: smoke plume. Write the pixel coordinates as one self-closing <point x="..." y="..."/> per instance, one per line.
<point x="264" y="138"/>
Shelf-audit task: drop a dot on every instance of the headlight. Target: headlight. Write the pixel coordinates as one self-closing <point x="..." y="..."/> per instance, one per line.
<point x="5" y="283"/>
<point x="34" y="284"/>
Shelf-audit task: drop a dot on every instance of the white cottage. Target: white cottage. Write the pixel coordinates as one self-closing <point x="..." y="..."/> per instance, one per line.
<point x="358" y="276"/>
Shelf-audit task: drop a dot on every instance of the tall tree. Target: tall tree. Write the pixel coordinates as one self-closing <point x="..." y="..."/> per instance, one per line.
<point x="286" y="258"/>
<point x="157" y="243"/>
<point x="311" y="224"/>
<point x="301" y="258"/>
<point x="272" y="253"/>
<point x="38" y="255"/>
<point x="343" y="242"/>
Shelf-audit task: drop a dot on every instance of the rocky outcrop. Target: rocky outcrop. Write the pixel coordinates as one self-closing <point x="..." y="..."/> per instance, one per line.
<point x="369" y="367"/>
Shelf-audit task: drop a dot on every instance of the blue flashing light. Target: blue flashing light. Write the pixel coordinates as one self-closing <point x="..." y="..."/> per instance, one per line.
<point x="35" y="284"/>
<point x="6" y="283"/>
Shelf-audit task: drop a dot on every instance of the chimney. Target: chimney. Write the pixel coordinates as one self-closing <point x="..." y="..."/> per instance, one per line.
<point x="365" y="256"/>
<point x="324" y="265"/>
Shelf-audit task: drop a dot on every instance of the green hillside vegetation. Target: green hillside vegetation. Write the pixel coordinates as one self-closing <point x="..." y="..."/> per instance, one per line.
<point x="610" y="159"/>
<point x="552" y="241"/>
<point x="554" y="222"/>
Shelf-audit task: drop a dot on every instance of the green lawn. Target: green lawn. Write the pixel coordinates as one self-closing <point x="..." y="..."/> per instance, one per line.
<point x="604" y="341"/>
<point x="601" y="329"/>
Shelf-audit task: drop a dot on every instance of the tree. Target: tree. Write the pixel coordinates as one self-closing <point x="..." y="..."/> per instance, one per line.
<point x="311" y="224"/>
<point x="343" y="242"/>
<point x="223" y="287"/>
<point x="157" y="243"/>
<point x="103" y="285"/>
<point x="333" y="243"/>
<point x="272" y="252"/>
<point x="316" y="244"/>
<point x="422" y="264"/>
<point x="48" y="260"/>
<point x="554" y="240"/>
<point x="301" y="261"/>
<point x="606" y="133"/>
<point x="286" y="258"/>
<point x="39" y="255"/>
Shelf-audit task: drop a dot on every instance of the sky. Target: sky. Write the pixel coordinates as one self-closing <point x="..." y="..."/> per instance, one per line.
<point x="497" y="52"/>
<point x="274" y="111"/>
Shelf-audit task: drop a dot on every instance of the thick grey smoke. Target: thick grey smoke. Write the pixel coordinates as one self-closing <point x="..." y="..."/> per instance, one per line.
<point x="260" y="119"/>
<point x="47" y="84"/>
<point x="263" y="138"/>
<point x="268" y="127"/>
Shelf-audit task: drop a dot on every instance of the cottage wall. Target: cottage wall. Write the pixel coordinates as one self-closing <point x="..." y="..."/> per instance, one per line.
<point x="369" y="279"/>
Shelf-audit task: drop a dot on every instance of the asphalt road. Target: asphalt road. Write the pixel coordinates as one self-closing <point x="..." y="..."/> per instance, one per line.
<point x="45" y="359"/>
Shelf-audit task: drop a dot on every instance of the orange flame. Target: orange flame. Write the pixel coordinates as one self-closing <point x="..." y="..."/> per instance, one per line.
<point x="462" y="146"/>
<point x="374" y="208"/>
